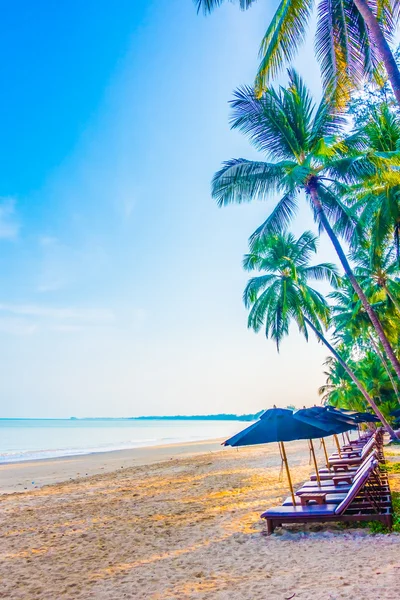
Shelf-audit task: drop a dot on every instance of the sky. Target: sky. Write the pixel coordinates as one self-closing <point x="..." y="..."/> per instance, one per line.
<point x="121" y="281"/>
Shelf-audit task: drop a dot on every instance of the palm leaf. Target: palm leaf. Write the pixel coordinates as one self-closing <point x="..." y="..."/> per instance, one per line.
<point x="278" y="220"/>
<point x="284" y="35"/>
<point x="242" y="180"/>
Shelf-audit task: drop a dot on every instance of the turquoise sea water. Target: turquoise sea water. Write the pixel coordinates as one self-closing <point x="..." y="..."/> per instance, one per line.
<point x="32" y="439"/>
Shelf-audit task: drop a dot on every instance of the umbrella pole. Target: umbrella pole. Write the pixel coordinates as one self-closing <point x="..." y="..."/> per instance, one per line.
<point x="335" y="437"/>
<point x="284" y="457"/>
<point x="315" y="462"/>
<point x="325" y="452"/>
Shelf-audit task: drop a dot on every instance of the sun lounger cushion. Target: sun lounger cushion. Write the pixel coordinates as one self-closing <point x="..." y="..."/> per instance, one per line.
<point x="309" y="511"/>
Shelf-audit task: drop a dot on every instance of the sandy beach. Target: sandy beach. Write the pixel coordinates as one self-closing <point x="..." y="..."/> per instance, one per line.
<point x="34" y="474"/>
<point x="187" y="527"/>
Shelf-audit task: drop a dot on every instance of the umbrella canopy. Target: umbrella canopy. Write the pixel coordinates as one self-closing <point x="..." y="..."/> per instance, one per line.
<point x="395" y="413"/>
<point x="359" y="417"/>
<point x="331" y="421"/>
<point x="365" y="417"/>
<point x="276" y="425"/>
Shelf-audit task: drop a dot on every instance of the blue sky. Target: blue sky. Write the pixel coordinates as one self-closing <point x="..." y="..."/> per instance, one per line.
<point x="120" y="279"/>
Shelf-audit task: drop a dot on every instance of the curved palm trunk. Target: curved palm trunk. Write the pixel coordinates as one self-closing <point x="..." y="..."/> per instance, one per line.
<point x="313" y="191"/>
<point x="355" y="380"/>
<point x="380" y="42"/>
<point x="386" y="366"/>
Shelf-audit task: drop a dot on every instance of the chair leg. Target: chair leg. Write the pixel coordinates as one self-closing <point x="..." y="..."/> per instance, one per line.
<point x="270" y="526"/>
<point x="389" y="522"/>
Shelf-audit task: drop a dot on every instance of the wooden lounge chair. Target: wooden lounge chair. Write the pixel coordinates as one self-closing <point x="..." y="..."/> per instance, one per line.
<point x="349" y="509"/>
<point x="346" y="470"/>
<point x="338" y="478"/>
<point x="333" y="492"/>
<point x="352" y="458"/>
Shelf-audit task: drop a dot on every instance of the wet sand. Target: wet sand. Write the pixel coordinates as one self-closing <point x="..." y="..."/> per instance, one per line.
<point x="34" y="474"/>
<point x="186" y="528"/>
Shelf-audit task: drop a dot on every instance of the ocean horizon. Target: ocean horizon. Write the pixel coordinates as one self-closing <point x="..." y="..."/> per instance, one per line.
<point x="35" y="439"/>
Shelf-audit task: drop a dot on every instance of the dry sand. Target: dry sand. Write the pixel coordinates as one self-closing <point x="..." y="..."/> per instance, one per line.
<point x="186" y="528"/>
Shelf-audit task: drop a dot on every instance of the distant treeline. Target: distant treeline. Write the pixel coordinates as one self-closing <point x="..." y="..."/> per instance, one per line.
<point x="219" y="417"/>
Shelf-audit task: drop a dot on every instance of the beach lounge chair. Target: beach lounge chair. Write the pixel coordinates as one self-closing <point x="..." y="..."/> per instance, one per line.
<point x="343" y="469"/>
<point x="336" y="476"/>
<point x="333" y="492"/>
<point x="349" y="509"/>
<point x="352" y="459"/>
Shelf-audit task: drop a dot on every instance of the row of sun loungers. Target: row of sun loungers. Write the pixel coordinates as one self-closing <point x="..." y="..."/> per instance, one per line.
<point x="352" y="488"/>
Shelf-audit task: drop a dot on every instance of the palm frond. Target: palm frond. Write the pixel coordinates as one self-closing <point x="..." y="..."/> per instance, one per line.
<point x="266" y="122"/>
<point x="242" y="180"/>
<point x="278" y="220"/>
<point x="207" y="6"/>
<point x="324" y="271"/>
<point x="282" y="39"/>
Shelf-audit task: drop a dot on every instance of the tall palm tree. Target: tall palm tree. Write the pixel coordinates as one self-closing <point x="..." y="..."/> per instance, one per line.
<point x="282" y="294"/>
<point x="378" y="199"/>
<point x="308" y="153"/>
<point x="378" y="273"/>
<point x="353" y="327"/>
<point x="352" y="37"/>
<point x="339" y="390"/>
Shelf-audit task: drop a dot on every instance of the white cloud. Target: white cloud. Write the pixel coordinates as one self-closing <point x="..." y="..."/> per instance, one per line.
<point x="84" y="315"/>
<point x="9" y="225"/>
<point x="128" y="204"/>
<point x="17" y="326"/>
<point x="47" y="240"/>
<point x="66" y="328"/>
<point x="65" y="265"/>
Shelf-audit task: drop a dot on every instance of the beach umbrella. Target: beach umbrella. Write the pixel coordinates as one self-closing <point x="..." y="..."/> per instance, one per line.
<point x="331" y="421"/>
<point x="395" y="413"/>
<point x="366" y="417"/>
<point x="277" y="425"/>
<point x="359" y="417"/>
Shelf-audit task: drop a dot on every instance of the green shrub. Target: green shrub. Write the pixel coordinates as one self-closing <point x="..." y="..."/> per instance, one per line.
<point x="376" y="527"/>
<point x="391" y="467"/>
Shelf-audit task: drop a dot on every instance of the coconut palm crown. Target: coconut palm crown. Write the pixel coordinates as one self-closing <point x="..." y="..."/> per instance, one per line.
<point x="307" y="151"/>
<point x="352" y="37"/>
<point x="282" y="293"/>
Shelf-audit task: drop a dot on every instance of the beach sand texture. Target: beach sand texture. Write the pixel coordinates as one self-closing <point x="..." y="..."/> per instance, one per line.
<point x="188" y="528"/>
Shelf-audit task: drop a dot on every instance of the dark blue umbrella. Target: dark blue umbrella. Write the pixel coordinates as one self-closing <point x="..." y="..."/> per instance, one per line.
<point x="330" y="420"/>
<point x="359" y="417"/>
<point x="277" y="425"/>
<point x="395" y="413"/>
<point x="365" y="417"/>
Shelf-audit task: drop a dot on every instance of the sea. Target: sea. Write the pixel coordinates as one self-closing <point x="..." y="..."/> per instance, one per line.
<point x="33" y="439"/>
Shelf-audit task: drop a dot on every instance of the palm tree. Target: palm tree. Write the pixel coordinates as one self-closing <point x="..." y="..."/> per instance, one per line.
<point x="378" y="199"/>
<point x="339" y="390"/>
<point x="352" y="37"/>
<point x="378" y="274"/>
<point x="353" y="327"/>
<point x="307" y="153"/>
<point x="282" y="294"/>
